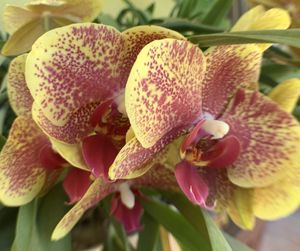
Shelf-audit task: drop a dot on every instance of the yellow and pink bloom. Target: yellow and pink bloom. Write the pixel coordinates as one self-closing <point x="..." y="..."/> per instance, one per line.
<point x="28" y="23"/>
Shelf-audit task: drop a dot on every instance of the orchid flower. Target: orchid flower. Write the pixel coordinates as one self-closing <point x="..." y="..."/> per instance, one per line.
<point x="292" y="6"/>
<point x="26" y="24"/>
<point x="235" y="136"/>
<point x="125" y="204"/>
<point x="76" y="76"/>
<point x="29" y="166"/>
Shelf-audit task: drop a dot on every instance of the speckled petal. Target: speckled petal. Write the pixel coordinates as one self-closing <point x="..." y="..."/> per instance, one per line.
<point x="134" y="160"/>
<point x="14" y="17"/>
<point x="279" y="199"/>
<point x="163" y="91"/>
<point x="269" y="139"/>
<point x="21" y="175"/>
<point x="138" y="37"/>
<point x="19" y="96"/>
<point x="97" y="191"/>
<point x="69" y="71"/>
<point x="228" y="69"/>
<point x="158" y="177"/>
<point x="286" y="94"/>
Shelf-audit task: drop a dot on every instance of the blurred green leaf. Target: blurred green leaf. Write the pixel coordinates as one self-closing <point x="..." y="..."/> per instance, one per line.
<point x="2" y="141"/>
<point x="181" y="229"/>
<point x="108" y="20"/>
<point x="289" y="37"/>
<point x="201" y="221"/>
<point x="218" y="12"/>
<point x="191" y="9"/>
<point x="184" y="26"/>
<point x="235" y="244"/>
<point x="121" y="235"/>
<point x="8" y="218"/>
<point x="148" y="237"/>
<point x="36" y="222"/>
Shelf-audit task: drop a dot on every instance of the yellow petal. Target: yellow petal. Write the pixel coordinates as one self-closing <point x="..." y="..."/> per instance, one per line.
<point x="15" y="17"/>
<point x="279" y="199"/>
<point x="259" y="19"/>
<point x="240" y="208"/>
<point x="246" y="20"/>
<point x="21" y="175"/>
<point x="286" y="94"/>
<point x="22" y="40"/>
<point x="86" y="10"/>
<point x="19" y="96"/>
<point x="70" y="152"/>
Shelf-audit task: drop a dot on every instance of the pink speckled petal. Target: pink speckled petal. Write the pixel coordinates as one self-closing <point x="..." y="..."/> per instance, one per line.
<point x="164" y="89"/>
<point x="21" y="173"/>
<point x="69" y="71"/>
<point x="97" y="191"/>
<point x="228" y="69"/>
<point x="158" y="177"/>
<point x="138" y="37"/>
<point x="19" y="96"/>
<point x="134" y="160"/>
<point x="269" y="139"/>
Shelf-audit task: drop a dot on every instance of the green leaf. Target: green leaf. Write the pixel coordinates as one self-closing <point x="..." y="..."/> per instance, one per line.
<point x="148" y="237"/>
<point x="2" y="141"/>
<point x="235" y="244"/>
<point x="121" y="235"/>
<point x="181" y="229"/>
<point x="192" y="9"/>
<point x="8" y="218"/>
<point x="184" y="26"/>
<point x="218" y="12"/>
<point x="289" y="37"/>
<point x="36" y="222"/>
<point x="201" y="221"/>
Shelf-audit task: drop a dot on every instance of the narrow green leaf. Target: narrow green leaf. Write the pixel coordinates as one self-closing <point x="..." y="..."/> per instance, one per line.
<point x="235" y="244"/>
<point x="26" y="235"/>
<point x="121" y="235"/>
<point x="183" y="231"/>
<point x="51" y="209"/>
<point x="8" y="218"/>
<point x="36" y="222"/>
<point x="201" y="221"/>
<point x="2" y="141"/>
<point x="289" y="37"/>
<point x="218" y="12"/>
<point x="184" y="26"/>
<point x="148" y="237"/>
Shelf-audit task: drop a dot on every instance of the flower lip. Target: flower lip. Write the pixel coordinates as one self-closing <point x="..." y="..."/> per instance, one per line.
<point x="204" y="144"/>
<point x="126" y="195"/>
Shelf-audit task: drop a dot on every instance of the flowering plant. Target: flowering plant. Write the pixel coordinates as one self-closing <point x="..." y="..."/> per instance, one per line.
<point x="142" y="126"/>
